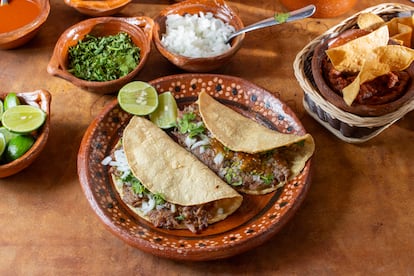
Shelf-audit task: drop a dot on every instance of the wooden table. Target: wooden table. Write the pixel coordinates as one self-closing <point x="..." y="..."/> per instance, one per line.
<point x="358" y="217"/>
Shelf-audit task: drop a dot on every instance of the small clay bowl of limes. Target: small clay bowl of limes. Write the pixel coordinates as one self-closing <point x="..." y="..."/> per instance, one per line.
<point x="24" y="129"/>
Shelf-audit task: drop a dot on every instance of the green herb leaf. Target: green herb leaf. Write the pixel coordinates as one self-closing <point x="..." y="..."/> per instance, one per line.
<point x="159" y="199"/>
<point x="281" y="17"/>
<point x="267" y="179"/>
<point x="103" y="58"/>
<point x="187" y="124"/>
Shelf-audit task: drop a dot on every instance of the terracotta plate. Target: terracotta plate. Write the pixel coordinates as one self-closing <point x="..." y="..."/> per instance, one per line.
<point x="257" y="220"/>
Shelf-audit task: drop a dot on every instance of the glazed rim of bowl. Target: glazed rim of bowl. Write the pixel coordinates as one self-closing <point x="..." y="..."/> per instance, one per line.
<point x="80" y="30"/>
<point x="44" y="6"/>
<point x="220" y="11"/>
<point x="359" y="109"/>
<point x="97" y="5"/>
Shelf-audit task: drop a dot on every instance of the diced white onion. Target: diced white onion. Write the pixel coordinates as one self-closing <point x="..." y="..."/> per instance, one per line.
<point x="189" y="141"/>
<point x="199" y="144"/>
<point x="218" y="159"/>
<point x="147" y="206"/>
<point x="106" y="160"/>
<point x="197" y="35"/>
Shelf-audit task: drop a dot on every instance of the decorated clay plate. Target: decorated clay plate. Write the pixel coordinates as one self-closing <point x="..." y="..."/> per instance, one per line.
<point x="258" y="218"/>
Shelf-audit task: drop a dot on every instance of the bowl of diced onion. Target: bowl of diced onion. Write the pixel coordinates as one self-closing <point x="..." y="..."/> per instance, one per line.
<point x="192" y="34"/>
<point x="102" y="54"/>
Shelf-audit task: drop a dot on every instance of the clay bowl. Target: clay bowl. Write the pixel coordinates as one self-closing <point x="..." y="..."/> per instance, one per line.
<point x="204" y="64"/>
<point x="324" y="8"/>
<point x="140" y="30"/>
<point x="42" y="99"/>
<point x="366" y="110"/>
<point x="98" y="8"/>
<point x="22" y="35"/>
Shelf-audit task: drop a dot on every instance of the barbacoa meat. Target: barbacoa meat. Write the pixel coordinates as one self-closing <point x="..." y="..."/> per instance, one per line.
<point x="241" y="170"/>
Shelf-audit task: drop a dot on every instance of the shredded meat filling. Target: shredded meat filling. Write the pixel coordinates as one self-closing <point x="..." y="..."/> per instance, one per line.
<point x="243" y="171"/>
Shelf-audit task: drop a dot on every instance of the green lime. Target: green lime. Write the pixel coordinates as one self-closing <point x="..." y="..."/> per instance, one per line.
<point x="8" y="135"/>
<point x="2" y="144"/>
<point x="18" y="146"/>
<point x="165" y="116"/>
<point x="1" y="109"/>
<point x="10" y="101"/>
<point x="138" y="98"/>
<point x="23" y="118"/>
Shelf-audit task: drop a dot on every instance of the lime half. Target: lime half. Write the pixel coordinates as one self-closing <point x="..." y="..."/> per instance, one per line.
<point x="18" y="146"/>
<point x="165" y="116"/>
<point x="1" y="109"/>
<point x="2" y="144"/>
<point x="8" y="135"/>
<point x="138" y="98"/>
<point x="23" y="118"/>
<point x="11" y="100"/>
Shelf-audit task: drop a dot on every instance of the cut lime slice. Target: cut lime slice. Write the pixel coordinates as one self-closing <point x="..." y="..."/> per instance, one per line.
<point x="10" y="101"/>
<point x="8" y="135"/>
<point x="165" y="116"/>
<point x="138" y="98"/>
<point x="1" y="109"/>
<point x="2" y="144"/>
<point x="18" y="146"/>
<point x="23" y="118"/>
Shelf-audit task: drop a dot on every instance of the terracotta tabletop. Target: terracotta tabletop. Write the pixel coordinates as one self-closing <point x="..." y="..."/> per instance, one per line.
<point x="358" y="216"/>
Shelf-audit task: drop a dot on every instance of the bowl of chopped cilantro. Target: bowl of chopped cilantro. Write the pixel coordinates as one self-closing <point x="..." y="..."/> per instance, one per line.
<point x="102" y="54"/>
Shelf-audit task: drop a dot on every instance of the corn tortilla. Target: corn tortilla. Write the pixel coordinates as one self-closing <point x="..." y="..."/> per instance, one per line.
<point x="239" y="133"/>
<point x="166" y="168"/>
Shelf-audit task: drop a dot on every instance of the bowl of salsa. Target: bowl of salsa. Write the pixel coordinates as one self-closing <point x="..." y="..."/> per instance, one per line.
<point x="20" y="20"/>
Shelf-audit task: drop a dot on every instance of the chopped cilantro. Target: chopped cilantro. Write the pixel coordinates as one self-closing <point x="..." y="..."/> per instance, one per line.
<point x="159" y="199"/>
<point x="267" y="179"/>
<point x="136" y="185"/>
<point x="180" y="217"/>
<point x="186" y="124"/>
<point x="281" y="17"/>
<point x="103" y="58"/>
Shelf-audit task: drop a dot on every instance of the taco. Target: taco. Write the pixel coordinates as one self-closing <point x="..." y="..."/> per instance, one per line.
<point x="165" y="184"/>
<point x="250" y="157"/>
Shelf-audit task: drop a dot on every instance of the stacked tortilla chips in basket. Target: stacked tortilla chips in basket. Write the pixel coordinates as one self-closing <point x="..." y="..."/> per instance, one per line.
<point x="358" y="77"/>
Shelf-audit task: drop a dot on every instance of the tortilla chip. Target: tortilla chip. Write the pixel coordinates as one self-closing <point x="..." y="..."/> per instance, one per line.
<point x="351" y="56"/>
<point x="369" y="21"/>
<point x="388" y="58"/>
<point x="400" y="30"/>
<point x="239" y="133"/>
<point x="164" y="167"/>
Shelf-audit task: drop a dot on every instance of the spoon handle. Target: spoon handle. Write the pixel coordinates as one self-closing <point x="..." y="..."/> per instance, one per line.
<point x="293" y="15"/>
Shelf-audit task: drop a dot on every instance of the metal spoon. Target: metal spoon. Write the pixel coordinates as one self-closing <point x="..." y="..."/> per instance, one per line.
<point x="3" y="2"/>
<point x="292" y="16"/>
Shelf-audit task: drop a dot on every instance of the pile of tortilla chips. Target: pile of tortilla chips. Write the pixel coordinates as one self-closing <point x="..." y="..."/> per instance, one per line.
<point x="370" y="55"/>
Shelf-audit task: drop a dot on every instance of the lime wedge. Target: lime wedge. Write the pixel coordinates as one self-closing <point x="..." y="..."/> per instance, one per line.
<point x="165" y="116"/>
<point x="18" y="146"/>
<point x="10" y="101"/>
<point x="138" y="98"/>
<point x="1" y="109"/>
<point x="2" y="144"/>
<point x="8" y="135"/>
<point x="23" y="118"/>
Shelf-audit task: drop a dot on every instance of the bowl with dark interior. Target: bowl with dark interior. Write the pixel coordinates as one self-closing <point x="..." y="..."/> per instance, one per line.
<point x="137" y="31"/>
<point x="18" y="26"/>
<point x="386" y="100"/>
<point x="98" y="7"/>
<point x="357" y="123"/>
<point x="41" y="99"/>
<point x="182" y="47"/>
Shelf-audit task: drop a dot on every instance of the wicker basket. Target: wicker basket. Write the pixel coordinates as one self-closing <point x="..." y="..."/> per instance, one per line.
<point x="346" y="126"/>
